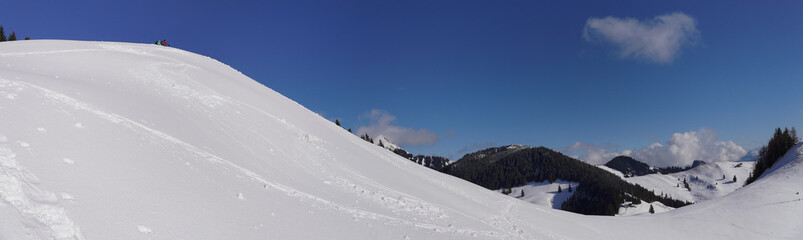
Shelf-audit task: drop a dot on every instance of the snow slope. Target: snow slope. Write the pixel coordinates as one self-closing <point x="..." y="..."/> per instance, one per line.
<point x="706" y="181"/>
<point x="642" y="208"/>
<point x="103" y="140"/>
<point x="544" y="193"/>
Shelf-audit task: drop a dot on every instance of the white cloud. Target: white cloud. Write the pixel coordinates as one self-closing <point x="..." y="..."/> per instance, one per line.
<point x="683" y="148"/>
<point x="680" y="150"/>
<point x="592" y="154"/>
<point x="382" y="124"/>
<point x="658" y="40"/>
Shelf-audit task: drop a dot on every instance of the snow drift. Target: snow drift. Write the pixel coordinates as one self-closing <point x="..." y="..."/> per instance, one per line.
<point x="104" y="140"/>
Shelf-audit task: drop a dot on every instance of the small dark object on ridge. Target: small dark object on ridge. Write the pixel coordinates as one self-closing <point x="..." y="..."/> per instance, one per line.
<point x="163" y="43"/>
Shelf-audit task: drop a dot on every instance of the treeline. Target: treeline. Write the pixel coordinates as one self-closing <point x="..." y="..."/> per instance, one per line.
<point x="673" y="169"/>
<point x="599" y="192"/>
<point x="630" y="167"/>
<point x="12" y="37"/>
<point x="778" y="145"/>
<point x="435" y="162"/>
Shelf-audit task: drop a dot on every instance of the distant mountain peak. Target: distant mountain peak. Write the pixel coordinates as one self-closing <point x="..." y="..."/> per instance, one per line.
<point x="697" y="163"/>
<point x="516" y="146"/>
<point x="385" y="142"/>
<point x="495" y="152"/>
<point x="629" y="167"/>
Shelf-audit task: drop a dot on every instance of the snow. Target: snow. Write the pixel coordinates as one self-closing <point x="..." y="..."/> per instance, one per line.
<point x="706" y="181"/>
<point x="631" y="209"/>
<point x="386" y="143"/>
<point x="611" y="170"/>
<point x="168" y="144"/>
<point x="789" y="160"/>
<point x="544" y="193"/>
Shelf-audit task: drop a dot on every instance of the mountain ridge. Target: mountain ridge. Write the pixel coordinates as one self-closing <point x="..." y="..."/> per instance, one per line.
<point x="599" y="192"/>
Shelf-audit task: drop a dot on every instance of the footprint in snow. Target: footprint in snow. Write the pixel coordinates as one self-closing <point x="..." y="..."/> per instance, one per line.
<point x="79" y="125"/>
<point x="144" y="229"/>
<point x="240" y="196"/>
<point x="24" y="144"/>
<point x="69" y="161"/>
<point x="41" y="130"/>
<point x="66" y="196"/>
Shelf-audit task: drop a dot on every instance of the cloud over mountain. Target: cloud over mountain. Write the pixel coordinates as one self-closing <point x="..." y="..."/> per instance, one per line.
<point x="382" y="124"/>
<point x="680" y="150"/>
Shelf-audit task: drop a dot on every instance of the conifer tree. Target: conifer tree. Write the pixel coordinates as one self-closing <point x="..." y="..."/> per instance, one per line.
<point x="367" y="138"/>
<point x="570" y="188"/>
<point x="349" y="129"/>
<point x="2" y="34"/>
<point x="381" y="145"/>
<point x="686" y="184"/>
<point x="559" y="190"/>
<point x="12" y="37"/>
<point x="652" y="210"/>
<point x="337" y="122"/>
<point x="27" y="38"/>
<point x="522" y="193"/>
<point x="734" y="178"/>
<point x="778" y="145"/>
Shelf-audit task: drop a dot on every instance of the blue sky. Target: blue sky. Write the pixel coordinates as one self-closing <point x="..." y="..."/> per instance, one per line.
<point x="446" y="77"/>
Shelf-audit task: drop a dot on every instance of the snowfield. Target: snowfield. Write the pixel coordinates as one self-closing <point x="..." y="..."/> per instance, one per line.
<point x="705" y="181"/>
<point x="102" y="140"/>
<point x="544" y="193"/>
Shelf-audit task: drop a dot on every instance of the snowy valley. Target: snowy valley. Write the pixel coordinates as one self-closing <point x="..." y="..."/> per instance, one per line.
<point x="104" y="140"/>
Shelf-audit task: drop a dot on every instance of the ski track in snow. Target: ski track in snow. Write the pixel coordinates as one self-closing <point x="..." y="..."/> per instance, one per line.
<point x="38" y="208"/>
<point x="401" y="204"/>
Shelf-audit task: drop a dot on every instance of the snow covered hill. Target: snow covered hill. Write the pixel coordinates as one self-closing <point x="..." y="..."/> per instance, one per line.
<point x="544" y="193"/>
<point x="705" y="182"/>
<point x="103" y="140"/>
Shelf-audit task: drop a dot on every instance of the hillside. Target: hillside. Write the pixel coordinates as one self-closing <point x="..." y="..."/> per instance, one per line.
<point x="629" y="167"/>
<point x="102" y="140"/>
<point x="706" y="182"/>
<point x="598" y="192"/>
